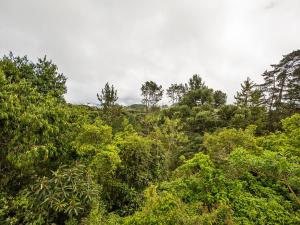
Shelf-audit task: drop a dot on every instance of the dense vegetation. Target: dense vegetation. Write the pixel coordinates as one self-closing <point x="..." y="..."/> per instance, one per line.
<point x="198" y="161"/>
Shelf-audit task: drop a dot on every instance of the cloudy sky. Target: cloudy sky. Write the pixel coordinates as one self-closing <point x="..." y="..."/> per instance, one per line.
<point x="126" y="42"/>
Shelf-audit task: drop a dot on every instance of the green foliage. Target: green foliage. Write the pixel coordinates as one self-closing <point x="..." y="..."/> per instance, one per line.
<point x="183" y="201"/>
<point x="152" y="94"/>
<point x="198" y="97"/>
<point x="175" y="92"/>
<point x="68" y="193"/>
<point x="220" y="144"/>
<point x="244" y="98"/>
<point x="92" y="138"/>
<point x="197" y="162"/>
<point x="34" y="135"/>
<point x="143" y="159"/>
<point x="219" y="98"/>
<point x="198" y="180"/>
<point x="163" y="209"/>
<point x="195" y="82"/>
<point x="173" y="139"/>
<point x="43" y="75"/>
<point x="108" y="96"/>
<point x="197" y="93"/>
<point x="281" y="89"/>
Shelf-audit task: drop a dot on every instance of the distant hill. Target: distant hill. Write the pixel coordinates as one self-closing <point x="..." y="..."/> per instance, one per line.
<point x="136" y="106"/>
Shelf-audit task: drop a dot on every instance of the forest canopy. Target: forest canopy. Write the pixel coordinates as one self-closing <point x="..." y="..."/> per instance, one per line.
<point x="199" y="160"/>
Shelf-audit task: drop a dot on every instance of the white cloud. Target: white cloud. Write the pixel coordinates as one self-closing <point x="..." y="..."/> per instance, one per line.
<point x="129" y="42"/>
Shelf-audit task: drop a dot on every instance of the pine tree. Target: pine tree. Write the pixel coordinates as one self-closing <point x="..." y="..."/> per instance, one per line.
<point x="108" y="96"/>
<point x="281" y="88"/>
<point x="175" y="92"/>
<point x="152" y="94"/>
<point x="257" y="98"/>
<point x="243" y="98"/>
<point x="195" y="83"/>
<point x="219" y="98"/>
<point x="269" y="89"/>
<point x="282" y="84"/>
<point x="293" y="91"/>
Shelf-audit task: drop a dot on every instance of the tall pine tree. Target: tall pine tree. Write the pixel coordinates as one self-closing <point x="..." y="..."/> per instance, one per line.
<point x="108" y="96"/>
<point x="281" y="88"/>
<point x="243" y="98"/>
<point x="282" y="84"/>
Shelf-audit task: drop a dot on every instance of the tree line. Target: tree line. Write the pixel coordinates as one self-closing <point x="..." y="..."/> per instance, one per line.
<point x="278" y="95"/>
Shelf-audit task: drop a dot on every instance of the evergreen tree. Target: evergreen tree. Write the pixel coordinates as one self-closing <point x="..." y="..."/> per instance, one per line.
<point x="243" y="98"/>
<point x="219" y="98"/>
<point x="197" y="93"/>
<point x="257" y="98"/>
<point x="195" y="83"/>
<point x="49" y="79"/>
<point x="293" y="91"/>
<point x="282" y="84"/>
<point x="269" y="89"/>
<point x="108" y="96"/>
<point x="281" y="88"/>
<point x="175" y="92"/>
<point x="152" y="94"/>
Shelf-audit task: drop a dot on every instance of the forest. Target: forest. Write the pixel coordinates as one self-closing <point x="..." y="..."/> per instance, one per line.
<point x="198" y="160"/>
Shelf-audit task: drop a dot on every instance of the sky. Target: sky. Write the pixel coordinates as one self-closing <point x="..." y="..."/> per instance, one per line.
<point x="129" y="42"/>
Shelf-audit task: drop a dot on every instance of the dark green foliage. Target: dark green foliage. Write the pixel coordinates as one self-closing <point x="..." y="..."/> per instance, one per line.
<point x="197" y="93"/>
<point x="195" y="83"/>
<point x="108" y="96"/>
<point x="244" y="98"/>
<point x="281" y="88"/>
<point x="219" y="98"/>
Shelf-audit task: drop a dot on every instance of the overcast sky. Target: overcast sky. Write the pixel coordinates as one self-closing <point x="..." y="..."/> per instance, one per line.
<point x="127" y="42"/>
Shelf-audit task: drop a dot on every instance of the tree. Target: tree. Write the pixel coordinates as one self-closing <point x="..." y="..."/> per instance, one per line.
<point x="195" y="82"/>
<point x="35" y="136"/>
<point x="43" y="75"/>
<point x="68" y="194"/>
<point x="142" y="158"/>
<point x="293" y="91"/>
<point x="222" y="142"/>
<point x="282" y="83"/>
<point x="34" y="128"/>
<point x="281" y="89"/>
<point x="49" y="79"/>
<point x="279" y="160"/>
<point x="108" y="96"/>
<point x="152" y="94"/>
<point x="199" y="94"/>
<point x="173" y="139"/>
<point x="243" y="98"/>
<point x="250" y="107"/>
<point x="219" y="98"/>
<point x="196" y="97"/>
<point x="175" y="92"/>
